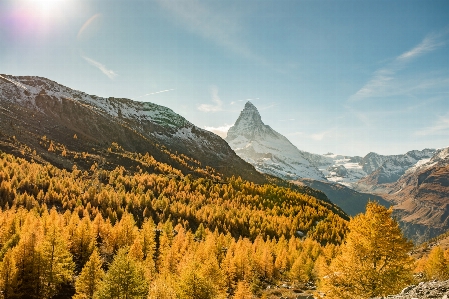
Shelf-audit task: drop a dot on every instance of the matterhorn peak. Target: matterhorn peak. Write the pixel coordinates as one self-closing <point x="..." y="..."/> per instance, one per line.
<point x="247" y="124"/>
<point x="266" y="149"/>
<point x="250" y="106"/>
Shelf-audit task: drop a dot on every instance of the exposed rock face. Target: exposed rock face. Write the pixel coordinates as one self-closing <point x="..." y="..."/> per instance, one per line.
<point x="424" y="290"/>
<point x="388" y="169"/>
<point x="33" y="106"/>
<point x="269" y="151"/>
<point x="422" y="194"/>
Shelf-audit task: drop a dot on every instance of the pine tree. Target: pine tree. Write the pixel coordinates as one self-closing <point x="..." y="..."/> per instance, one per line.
<point x="374" y="259"/>
<point x="124" y="279"/>
<point x="90" y="277"/>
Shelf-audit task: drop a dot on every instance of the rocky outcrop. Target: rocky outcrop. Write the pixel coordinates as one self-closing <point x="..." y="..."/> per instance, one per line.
<point x="424" y="290"/>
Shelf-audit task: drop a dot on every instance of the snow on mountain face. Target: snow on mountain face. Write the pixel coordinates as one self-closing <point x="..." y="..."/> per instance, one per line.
<point x="30" y="87"/>
<point x="441" y="157"/>
<point x="343" y="169"/>
<point x="155" y="125"/>
<point x="267" y="150"/>
<point x="392" y="167"/>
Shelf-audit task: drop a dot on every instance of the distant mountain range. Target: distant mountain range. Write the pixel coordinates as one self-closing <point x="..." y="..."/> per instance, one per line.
<point x="413" y="182"/>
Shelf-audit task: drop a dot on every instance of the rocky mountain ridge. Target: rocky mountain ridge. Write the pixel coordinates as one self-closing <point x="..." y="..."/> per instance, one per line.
<point x="266" y="149"/>
<point x="33" y="107"/>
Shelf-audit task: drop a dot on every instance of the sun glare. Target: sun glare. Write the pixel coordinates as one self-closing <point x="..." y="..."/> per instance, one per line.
<point x="45" y="6"/>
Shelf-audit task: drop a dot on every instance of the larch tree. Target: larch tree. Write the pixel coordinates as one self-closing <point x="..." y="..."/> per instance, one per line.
<point x="243" y="291"/>
<point x="8" y="276"/>
<point x="90" y="277"/>
<point x="124" y="279"/>
<point x="57" y="263"/>
<point x="374" y="258"/>
<point x="436" y="265"/>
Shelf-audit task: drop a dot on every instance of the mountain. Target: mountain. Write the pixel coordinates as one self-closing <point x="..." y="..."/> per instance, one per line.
<point x="383" y="170"/>
<point x="37" y="113"/>
<point x="349" y="200"/>
<point x="341" y="169"/>
<point x="421" y="195"/>
<point x="269" y="151"/>
<point x="272" y="153"/>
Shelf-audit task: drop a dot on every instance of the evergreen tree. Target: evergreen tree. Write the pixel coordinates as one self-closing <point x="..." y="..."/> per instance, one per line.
<point x="124" y="279"/>
<point x="374" y="259"/>
<point x="90" y="277"/>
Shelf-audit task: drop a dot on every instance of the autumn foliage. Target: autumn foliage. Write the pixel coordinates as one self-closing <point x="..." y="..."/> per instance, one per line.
<point x="111" y="234"/>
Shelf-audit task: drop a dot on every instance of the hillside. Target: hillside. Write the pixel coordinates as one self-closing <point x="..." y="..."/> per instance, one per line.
<point x="165" y="220"/>
<point x="33" y="108"/>
<point x="350" y="201"/>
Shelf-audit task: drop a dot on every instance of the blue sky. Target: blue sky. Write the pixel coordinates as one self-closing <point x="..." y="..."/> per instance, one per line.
<point x="347" y="77"/>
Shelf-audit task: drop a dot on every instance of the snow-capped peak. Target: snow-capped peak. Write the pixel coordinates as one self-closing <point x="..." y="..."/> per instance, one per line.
<point x="266" y="149"/>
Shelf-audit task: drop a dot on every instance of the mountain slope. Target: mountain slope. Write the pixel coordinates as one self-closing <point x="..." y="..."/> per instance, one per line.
<point x="422" y="195"/>
<point x="351" y="201"/>
<point x="267" y="150"/>
<point x="33" y="107"/>
<point x="388" y="169"/>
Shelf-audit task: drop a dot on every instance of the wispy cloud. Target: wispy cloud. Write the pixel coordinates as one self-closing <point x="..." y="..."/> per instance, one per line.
<point x="252" y="100"/>
<point x="439" y="127"/>
<point x="87" y="24"/>
<point x="152" y="93"/>
<point x="213" y="24"/>
<point x="221" y="131"/>
<point x="216" y="99"/>
<point x="384" y="83"/>
<point x="430" y="43"/>
<point x="321" y="135"/>
<point x="361" y="116"/>
<point x="110" y="73"/>
<point x="271" y="105"/>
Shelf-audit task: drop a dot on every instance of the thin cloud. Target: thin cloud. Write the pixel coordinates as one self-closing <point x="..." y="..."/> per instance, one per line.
<point x="221" y="131"/>
<point x="216" y="99"/>
<point x="440" y="127"/>
<point x="295" y="134"/>
<point x="110" y="73"/>
<point x="269" y="106"/>
<point x="429" y="44"/>
<point x="86" y="25"/>
<point x="152" y="93"/>
<point x="320" y="136"/>
<point x="211" y="24"/>
<point x="383" y="81"/>
<point x="361" y="116"/>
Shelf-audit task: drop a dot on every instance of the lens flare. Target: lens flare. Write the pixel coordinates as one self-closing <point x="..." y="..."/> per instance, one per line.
<point x="45" y="6"/>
